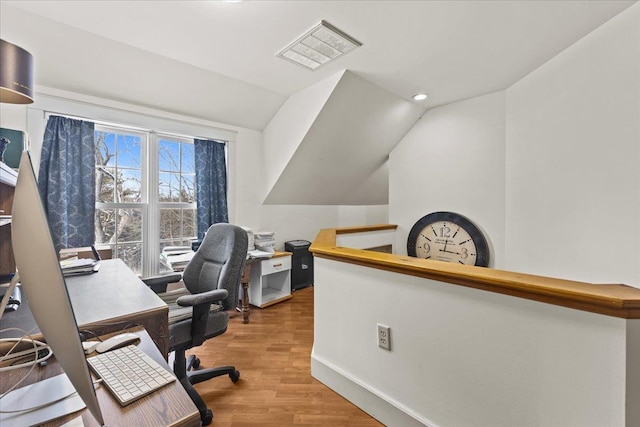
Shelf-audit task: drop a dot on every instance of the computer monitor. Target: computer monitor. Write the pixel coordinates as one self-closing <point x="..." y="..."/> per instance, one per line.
<point x="44" y="285"/>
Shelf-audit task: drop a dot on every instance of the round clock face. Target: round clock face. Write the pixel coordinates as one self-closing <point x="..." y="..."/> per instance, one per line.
<point x="450" y="237"/>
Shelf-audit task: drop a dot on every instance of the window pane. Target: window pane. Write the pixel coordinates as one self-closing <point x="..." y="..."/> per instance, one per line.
<point x="170" y="224"/>
<point x="188" y="194"/>
<point x="129" y="151"/>
<point x="188" y="158"/>
<point x="105" y="148"/>
<point x="130" y="185"/>
<point x="129" y="225"/>
<point x="169" y="187"/>
<point x="189" y="227"/>
<point x="105" y="225"/>
<point x="104" y="184"/>
<point x="131" y="254"/>
<point x="169" y="156"/>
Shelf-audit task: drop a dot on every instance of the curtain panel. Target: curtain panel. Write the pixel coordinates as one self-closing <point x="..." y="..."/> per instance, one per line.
<point x="211" y="184"/>
<point x="67" y="181"/>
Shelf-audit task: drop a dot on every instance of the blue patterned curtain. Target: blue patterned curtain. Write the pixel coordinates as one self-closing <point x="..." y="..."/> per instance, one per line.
<point x="67" y="181"/>
<point x="211" y="184"/>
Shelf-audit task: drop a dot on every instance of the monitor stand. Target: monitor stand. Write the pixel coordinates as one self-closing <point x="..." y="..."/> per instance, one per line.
<point x="54" y="396"/>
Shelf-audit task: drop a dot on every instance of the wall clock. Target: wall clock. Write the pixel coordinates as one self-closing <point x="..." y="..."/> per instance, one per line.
<point x="448" y="236"/>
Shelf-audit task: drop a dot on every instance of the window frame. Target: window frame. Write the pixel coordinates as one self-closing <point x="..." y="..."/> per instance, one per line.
<point x="149" y="204"/>
<point x="110" y="113"/>
<point x="154" y="214"/>
<point x="143" y="205"/>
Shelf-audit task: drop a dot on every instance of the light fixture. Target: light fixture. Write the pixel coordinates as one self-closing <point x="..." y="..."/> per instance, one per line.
<point x="320" y="45"/>
<point x="419" y="96"/>
<point x="16" y="74"/>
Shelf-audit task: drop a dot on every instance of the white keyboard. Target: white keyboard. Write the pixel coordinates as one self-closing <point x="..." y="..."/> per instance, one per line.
<point x="129" y="373"/>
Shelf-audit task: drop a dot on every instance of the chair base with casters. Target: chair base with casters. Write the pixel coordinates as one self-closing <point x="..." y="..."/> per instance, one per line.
<point x="182" y="367"/>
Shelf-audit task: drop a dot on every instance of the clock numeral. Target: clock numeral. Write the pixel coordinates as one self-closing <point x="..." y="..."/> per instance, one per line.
<point x="445" y="232"/>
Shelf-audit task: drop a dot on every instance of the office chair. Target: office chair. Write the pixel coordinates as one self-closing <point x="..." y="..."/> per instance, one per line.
<point x="212" y="280"/>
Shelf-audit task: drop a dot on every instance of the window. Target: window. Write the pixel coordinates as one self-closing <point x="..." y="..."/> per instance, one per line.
<point x="145" y="194"/>
<point x="177" y="192"/>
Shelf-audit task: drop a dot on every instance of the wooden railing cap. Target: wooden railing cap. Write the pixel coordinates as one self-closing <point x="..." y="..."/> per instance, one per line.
<point x="616" y="300"/>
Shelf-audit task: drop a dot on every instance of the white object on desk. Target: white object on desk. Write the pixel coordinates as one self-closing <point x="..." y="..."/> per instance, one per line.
<point x="270" y="281"/>
<point x="259" y="254"/>
<point x="117" y="341"/>
<point x="57" y="390"/>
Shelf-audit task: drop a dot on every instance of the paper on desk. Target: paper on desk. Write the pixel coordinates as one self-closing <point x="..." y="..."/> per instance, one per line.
<point x="259" y="254"/>
<point x="68" y="264"/>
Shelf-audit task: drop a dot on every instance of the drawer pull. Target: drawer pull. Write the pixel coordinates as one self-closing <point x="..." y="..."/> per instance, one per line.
<point x="277" y="265"/>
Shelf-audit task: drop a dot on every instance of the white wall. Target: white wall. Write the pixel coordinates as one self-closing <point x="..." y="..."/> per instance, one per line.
<point x="466" y="357"/>
<point x="549" y="168"/>
<point x="452" y="160"/>
<point x="13" y="117"/>
<point x="573" y="160"/>
<point x="287" y="128"/>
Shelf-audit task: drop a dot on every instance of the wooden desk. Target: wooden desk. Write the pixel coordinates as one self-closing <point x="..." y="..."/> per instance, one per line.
<point x="169" y="406"/>
<point x="246" y="280"/>
<point x="110" y="300"/>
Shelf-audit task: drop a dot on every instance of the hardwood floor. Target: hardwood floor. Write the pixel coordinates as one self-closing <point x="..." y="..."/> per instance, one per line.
<point x="273" y="354"/>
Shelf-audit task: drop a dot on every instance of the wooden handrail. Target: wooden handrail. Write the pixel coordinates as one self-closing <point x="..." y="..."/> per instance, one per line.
<point x="609" y="299"/>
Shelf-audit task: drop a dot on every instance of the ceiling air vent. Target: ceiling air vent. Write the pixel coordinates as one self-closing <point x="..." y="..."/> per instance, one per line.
<point x="319" y="46"/>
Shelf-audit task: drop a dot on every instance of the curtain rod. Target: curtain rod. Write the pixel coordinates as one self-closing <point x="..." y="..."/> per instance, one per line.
<point x="104" y="123"/>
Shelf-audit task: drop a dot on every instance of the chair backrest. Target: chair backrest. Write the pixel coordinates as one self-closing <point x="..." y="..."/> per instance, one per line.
<point x="218" y="263"/>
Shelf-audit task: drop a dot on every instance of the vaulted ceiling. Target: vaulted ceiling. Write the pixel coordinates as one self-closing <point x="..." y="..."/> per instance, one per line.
<point x="216" y="60"/>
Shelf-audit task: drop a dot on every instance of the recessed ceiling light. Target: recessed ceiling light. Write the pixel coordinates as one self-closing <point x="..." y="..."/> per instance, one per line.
<point x="420" y="96"/>
<point x="320" y="45"/>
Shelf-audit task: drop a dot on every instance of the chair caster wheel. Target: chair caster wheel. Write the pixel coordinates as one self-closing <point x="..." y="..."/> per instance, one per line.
<point x="207" y="418"/>
<point x="196" y="363"/>
<point x="235" y="376"/>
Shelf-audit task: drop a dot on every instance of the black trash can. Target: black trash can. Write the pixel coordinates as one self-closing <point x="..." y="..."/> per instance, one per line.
<point x="301" y="263"/>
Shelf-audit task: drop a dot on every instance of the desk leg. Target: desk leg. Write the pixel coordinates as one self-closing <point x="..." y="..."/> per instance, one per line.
<point x="246" y="278"/>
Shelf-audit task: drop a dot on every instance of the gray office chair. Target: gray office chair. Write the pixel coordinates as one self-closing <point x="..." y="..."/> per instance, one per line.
<point x="212" y="280"/>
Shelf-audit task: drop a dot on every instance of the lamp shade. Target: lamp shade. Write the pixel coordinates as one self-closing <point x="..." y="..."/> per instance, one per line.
<point x="16" y="74"/>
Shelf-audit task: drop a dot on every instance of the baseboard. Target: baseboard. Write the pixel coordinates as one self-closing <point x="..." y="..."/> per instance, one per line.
<point x="375" y="403"/>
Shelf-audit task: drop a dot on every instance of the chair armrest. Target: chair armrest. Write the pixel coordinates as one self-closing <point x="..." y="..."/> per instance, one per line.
<point x="204" y="297"/>
<point x="201" y="304"/>
<point x="158" y="284"/>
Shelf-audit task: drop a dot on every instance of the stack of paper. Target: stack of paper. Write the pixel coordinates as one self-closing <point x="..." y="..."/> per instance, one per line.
<point x="176" y="257"/>
<point x="251" y="238"/>
<point x="265" y="240"/>
<point x="74" y="267"/>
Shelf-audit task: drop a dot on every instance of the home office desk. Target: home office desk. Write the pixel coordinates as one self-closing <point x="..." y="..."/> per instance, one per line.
<point x="246" y="280"/>
<point x="169" y="406"/>
<point x="110" y="300"/>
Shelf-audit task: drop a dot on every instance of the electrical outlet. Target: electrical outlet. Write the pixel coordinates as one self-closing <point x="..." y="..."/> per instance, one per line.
<point x="384" y="336"/>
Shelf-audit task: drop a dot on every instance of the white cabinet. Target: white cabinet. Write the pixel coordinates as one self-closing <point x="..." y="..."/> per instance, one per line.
<point x="270" y="280"/>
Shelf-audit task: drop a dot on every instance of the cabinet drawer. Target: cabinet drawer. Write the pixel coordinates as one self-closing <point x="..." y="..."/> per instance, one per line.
<point x="275" y="265"/>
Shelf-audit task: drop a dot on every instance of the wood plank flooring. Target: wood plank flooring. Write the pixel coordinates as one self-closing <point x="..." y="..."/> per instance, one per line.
<point x="273" y="354"/>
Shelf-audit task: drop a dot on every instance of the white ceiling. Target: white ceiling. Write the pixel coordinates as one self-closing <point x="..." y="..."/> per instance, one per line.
<point x="450" y="49"/>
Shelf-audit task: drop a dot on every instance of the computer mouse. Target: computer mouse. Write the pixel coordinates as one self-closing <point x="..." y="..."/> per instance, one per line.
<point x="90" y="346"/>
<point x="117" y="341"/>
